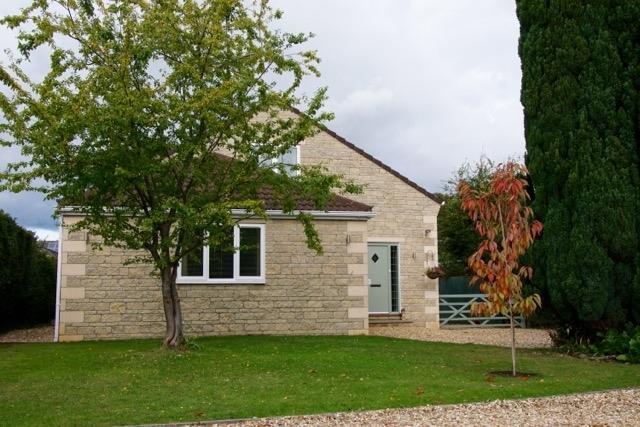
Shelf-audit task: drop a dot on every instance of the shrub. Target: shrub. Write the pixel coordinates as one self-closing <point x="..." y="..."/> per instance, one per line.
<point x="623" y="345"/>
<point x="27" y="278"/>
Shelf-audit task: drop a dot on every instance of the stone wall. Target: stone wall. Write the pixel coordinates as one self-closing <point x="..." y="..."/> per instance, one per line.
<point x="305" y="293"/>
<point x="403" y="216"/>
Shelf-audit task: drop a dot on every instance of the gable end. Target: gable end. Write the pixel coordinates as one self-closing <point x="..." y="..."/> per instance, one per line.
<point x="374" y="160"/>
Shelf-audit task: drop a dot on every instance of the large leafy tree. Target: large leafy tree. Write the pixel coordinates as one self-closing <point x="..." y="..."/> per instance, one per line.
<point x="580" y="91"/>
<point x="156" y="119"/>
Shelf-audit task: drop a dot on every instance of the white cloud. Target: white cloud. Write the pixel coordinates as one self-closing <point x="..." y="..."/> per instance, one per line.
<point x="363" y="102"/>
<point x="424" y="85"/>
<point x="44" y="233"/>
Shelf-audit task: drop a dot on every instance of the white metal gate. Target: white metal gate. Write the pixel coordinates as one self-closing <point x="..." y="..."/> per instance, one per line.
<point x="455" y="311"/>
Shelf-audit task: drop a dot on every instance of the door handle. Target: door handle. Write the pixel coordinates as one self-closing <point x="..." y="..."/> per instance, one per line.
<point x="376" y="285"/>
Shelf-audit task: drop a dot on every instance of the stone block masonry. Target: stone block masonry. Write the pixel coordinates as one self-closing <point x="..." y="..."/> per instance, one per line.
<point x="305" y="293"/>
<point x="403" y="216"/>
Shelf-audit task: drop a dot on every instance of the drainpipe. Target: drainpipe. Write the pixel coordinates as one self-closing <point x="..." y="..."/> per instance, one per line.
<point x="56" y="334"/>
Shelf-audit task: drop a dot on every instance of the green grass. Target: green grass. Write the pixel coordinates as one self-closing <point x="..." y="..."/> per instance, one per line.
<point x="127" y="382"/>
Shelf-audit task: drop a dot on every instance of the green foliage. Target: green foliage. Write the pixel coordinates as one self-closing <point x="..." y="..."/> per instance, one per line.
<point x="245" y="377"/>
<point x="457" y="238"/>
<point x="27" y="278"/>
<point x="132" y="114"/>
<point x="156" y="119"/>
<point x="192" y="344"/>
<point x="580" y="91"/>
<point x="624" y="345"/>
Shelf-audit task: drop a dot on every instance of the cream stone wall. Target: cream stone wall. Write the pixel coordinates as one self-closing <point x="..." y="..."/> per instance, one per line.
<point x="101" y="298"/>
<point x="403" y="216"/>
<point x="305" y="293"/>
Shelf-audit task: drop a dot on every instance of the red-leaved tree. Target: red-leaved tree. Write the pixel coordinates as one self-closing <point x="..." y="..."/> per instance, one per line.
<point x="504" y="220"/>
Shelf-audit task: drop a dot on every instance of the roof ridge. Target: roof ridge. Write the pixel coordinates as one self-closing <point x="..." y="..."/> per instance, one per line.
<point x="373" y="159"/>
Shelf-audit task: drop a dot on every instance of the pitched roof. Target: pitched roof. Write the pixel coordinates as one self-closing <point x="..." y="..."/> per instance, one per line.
<point x="374" y="160"/>
<point x="336" y="204"/>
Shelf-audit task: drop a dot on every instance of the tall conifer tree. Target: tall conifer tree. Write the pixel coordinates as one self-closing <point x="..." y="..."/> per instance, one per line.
<point x="580" y="92"/>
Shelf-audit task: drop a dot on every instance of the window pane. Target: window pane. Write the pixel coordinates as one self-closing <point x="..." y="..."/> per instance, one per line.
<point x="395" y="297"/>
<point x="249" y="252"/>
<point x="220" y="263"/>
<point x="287" y="159"/>
<point x="221" y="257"/>
<point x="192" y="264"/>
<point x="290" y="158"/>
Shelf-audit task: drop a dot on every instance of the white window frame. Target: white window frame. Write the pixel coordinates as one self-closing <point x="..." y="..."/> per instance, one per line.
<point x="205" y="279"/>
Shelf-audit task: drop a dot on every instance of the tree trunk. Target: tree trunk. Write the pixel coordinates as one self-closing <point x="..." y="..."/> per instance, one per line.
<point x="513" y="341"/>
<point x="174" y="336"/>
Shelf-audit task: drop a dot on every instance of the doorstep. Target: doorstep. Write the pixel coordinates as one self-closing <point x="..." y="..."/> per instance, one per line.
<point x="388" y="319"/>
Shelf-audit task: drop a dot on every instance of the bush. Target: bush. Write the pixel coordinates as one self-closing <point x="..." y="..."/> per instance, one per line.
<point x="624" y="345"/>
<point x="27" y="278"/>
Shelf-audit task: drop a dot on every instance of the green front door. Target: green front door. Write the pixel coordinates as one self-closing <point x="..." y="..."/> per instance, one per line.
<point x="379" y="279"/>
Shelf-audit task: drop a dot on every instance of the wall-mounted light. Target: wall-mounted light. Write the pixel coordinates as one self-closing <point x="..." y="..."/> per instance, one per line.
<point x="427" y="232"/>
<point x="348" y="238"/>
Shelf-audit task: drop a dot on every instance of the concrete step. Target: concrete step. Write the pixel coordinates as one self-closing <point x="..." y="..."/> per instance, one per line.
<point x="387" y="321"/>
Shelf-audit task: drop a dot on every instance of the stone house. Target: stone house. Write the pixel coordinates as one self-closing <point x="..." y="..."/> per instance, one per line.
<point x="377" y="247"/>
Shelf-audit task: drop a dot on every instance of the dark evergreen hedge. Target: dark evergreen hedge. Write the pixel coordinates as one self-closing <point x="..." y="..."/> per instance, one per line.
<point x="27" y="278"/>
<point x="580" y="92"/>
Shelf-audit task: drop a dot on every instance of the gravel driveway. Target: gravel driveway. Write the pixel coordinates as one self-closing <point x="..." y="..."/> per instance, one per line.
<point x="39" y="334"/>
<point x="525" y="338"/>
<point x="612" y="408"/>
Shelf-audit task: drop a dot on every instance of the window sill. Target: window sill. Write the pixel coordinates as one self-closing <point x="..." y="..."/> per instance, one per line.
<point x="258" y="281"/>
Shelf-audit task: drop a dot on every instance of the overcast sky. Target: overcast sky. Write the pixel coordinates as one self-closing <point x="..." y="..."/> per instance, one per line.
<point x="424" y="85"/>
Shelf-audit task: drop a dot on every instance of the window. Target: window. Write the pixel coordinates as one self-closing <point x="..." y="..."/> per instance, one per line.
<point x="223" y="265"/>
<point x="289" y="159"/>
<point x="395" y="289"/>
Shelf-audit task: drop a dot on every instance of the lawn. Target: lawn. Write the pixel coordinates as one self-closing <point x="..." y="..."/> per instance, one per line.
<point x="129" y="382"/>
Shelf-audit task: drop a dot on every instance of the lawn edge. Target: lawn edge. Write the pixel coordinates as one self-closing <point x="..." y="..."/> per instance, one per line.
<point x="233" y="421"/>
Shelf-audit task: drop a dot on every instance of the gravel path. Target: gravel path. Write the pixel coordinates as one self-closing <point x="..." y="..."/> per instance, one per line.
<point x="39" y="334"/>
<point x="525" y="338"/>
<point x="612" y="408"/>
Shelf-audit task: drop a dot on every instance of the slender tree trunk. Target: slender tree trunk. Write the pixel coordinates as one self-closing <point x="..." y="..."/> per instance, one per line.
<point x="513" y="340"/>
<point x="512" y="326"/>
<point x="174" y="336"/>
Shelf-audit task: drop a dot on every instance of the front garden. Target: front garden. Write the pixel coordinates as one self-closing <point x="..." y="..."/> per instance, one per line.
<point x="136" y="382"/>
